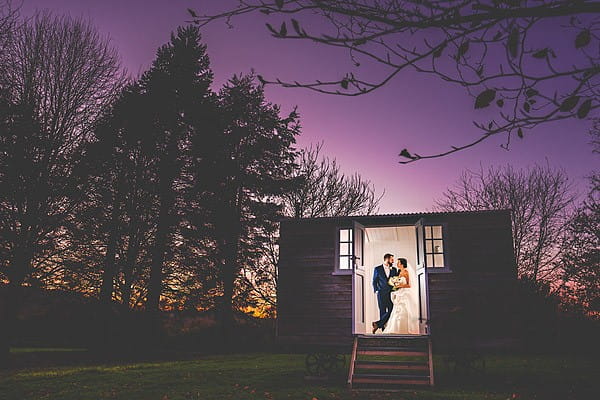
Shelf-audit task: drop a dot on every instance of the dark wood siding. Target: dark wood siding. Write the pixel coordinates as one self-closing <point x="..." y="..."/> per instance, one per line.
<point x="313" y="305"/>
<point x="484" y="273"/>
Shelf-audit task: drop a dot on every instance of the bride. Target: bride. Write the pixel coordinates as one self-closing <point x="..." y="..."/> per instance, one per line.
<point x="399" y="318"/>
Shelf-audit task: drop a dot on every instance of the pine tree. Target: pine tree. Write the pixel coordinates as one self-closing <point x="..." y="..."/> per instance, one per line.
<point x="176" y="87"/>
<point x="250" y="165"/>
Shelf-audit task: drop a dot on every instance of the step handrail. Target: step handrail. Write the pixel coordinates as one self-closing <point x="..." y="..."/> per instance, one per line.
<point x="352" y="360"/>
<point x="430" y="363"/>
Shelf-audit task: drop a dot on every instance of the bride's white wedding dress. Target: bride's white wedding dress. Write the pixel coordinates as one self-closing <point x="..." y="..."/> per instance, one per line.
<point x="398" y="322"/>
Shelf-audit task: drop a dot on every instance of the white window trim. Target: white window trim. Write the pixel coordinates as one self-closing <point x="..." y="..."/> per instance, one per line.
<point x="336" y="268"/>
<point x="447" y="265"/>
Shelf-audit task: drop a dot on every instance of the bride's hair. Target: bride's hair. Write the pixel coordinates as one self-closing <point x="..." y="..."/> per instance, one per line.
<point x="403" y="262"/>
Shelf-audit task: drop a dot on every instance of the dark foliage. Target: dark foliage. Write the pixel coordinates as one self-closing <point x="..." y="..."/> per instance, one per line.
<point x="58" y="75"/>
<point x="581" y="247"/>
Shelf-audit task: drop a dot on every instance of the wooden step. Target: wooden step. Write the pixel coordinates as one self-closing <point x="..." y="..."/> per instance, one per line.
<point x="390" y="379"/>
<point x="398" y="348"/>
<point x="392" y="341"/>
<point x="391" y="365"/>
<point x="390" y="351"/>
<point x="399" y="345"/>
<point x="385" y="387"/>
<point x="389" y="371"/>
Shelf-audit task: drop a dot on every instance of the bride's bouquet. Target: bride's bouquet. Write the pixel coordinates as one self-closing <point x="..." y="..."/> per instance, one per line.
<point x="396" y="282"/>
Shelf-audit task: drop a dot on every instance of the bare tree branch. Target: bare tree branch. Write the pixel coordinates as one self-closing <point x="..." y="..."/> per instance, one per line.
<point x="540" y="199"/>
<point x="510" y="55"/>
<point x="325" y="191"/>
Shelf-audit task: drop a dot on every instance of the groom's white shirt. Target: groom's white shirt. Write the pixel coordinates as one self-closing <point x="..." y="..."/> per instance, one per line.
<point x="387" y="268"/>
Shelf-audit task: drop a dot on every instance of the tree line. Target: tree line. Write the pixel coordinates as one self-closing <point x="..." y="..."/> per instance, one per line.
<point x="152" y="193"/>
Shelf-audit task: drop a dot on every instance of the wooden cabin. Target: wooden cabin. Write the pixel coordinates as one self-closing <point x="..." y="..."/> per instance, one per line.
<point x="462" y="269"/>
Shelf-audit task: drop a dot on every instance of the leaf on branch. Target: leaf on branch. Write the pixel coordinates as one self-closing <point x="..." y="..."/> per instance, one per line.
<point x="192" y="13"/>
<point x="438" y="52"/>
<point x="462" y="49"/>
<point x="569" y="104"/>
<point x="513" y="43"/>
<point x="279" y="4"/>
<point x="520" y="133"/>
<point x="360" y="41"/>
<point x="531" y="92"/>
<point x="283" y="30"/>
<point x="344" y="83"/>
<point x="296" y="26"/>
<point x="261" y="80"/>
<point x="500" y="102"/>
<point x="543" y="53"/>
<point x="405" y="153"/>
<point x="584" y="109"/>
<point x="480" y="71"/>
<point x="527" y="106"/>
<point x="273" y="31"/>
<point x="583" y="39"/>
<point x="485" y="98"/>
<point x="265" y="11"/>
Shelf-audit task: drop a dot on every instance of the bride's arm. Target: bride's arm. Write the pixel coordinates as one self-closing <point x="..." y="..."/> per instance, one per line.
<point x="407" y="284"/>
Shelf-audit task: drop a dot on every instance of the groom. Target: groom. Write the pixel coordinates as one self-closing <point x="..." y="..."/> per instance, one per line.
<point x="381" y="275"/>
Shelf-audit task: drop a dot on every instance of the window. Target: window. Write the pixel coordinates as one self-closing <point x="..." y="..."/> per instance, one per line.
<point x="434" y="246"/>
<point x="345" y="248"/>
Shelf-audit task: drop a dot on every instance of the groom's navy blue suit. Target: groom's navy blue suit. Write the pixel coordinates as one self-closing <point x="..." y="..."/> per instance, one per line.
<point x="383" y="290"/>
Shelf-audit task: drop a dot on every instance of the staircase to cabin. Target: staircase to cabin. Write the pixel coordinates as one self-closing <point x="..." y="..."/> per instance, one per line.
<point x="390" y="362"/>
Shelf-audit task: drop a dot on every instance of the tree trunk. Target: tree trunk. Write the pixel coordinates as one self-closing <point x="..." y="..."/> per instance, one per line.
<point x="158" y="258"/>
<point x="154" y="327"/>
<point x="229" y="259"/>
<point x="106" y="318"/>
<point x="129" y="267"/>
<point x="228" y="265"/>
<point x="10" y="302"/>
<point x="167" y="172"/>
<point x="108" y="275"/>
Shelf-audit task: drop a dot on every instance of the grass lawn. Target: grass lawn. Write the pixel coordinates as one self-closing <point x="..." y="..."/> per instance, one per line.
<point x="17" y="350"/>
<point x="281" y="376"/>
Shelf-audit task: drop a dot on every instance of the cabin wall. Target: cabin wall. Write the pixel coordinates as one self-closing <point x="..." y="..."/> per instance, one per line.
<point x="313" y="304"/>
<point x="473" y="299"/>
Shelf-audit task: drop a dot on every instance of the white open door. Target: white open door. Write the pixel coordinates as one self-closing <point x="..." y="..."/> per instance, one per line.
<point x="358" y="280"/>
<point x="423" y="282"/>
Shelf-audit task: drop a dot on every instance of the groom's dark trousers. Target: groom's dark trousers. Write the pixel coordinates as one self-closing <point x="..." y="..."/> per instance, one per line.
<point x="383" y="290"/>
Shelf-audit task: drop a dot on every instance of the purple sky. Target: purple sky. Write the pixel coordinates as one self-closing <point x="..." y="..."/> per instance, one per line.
<point x="364" y="133"/>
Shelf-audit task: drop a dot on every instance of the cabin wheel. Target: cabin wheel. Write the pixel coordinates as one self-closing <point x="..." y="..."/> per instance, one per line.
<point x="323" y="363"/>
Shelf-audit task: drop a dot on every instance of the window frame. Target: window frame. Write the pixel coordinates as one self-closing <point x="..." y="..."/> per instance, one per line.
<point x="343" y="271"/>
<point x="445" y="252"/>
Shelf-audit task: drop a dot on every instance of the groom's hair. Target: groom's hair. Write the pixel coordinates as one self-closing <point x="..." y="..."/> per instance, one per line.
<point x="387" y="256"/>
<point x="403" y="262"/>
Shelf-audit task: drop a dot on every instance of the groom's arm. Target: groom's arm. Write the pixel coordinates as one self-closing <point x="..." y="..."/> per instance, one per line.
<point x="375" y="287"/>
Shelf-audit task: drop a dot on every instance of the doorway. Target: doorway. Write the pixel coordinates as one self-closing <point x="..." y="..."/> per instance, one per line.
<point x="411" y="305"/>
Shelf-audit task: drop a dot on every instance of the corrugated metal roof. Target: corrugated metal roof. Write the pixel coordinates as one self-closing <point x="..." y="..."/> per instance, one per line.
<point x="399" y="215"/>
